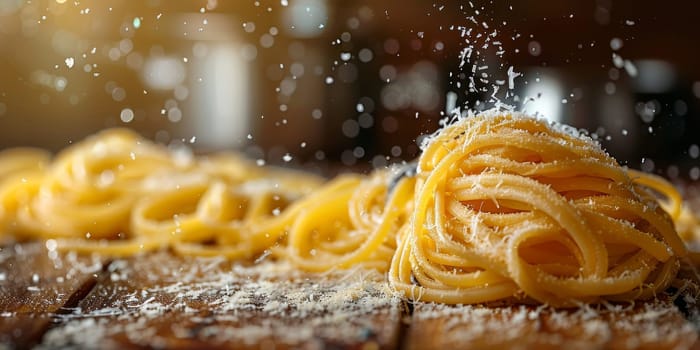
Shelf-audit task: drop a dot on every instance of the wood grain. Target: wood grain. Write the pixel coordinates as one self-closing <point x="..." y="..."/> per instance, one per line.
<point x="161" y="301"/>
<point x="655" y="325"/>
<point x="35" y="285"/>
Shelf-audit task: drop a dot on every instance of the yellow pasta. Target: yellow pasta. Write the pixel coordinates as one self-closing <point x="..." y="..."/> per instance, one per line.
<point x="138" y="195"/>
<point x="350" y="222"/>
<point x="503" y="207"/>
<point x="90" y="188"/>
<point x="511" y="207"/>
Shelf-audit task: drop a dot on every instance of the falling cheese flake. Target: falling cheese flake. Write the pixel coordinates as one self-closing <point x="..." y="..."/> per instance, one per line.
<point x="630" y="68"/>
<point x="616" y="44"/>
<point x="618" y="61"/>
<point x="69" y="62"/>
<point x="511" y="77"/>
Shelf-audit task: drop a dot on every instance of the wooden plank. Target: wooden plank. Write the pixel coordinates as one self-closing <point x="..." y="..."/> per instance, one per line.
<point x="165" y="301"/>
<point x="649" y="325"/>
<point x="35" y="284"/>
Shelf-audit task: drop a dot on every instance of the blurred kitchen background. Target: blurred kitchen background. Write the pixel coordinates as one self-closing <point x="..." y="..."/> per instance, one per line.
<point x="324" y="84"/>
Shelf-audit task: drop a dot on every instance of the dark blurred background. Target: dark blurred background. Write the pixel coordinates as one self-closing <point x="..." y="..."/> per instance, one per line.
<point x="324" y="83"/>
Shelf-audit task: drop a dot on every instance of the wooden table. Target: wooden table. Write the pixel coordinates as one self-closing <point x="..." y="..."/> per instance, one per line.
<point x="62" y="300"/>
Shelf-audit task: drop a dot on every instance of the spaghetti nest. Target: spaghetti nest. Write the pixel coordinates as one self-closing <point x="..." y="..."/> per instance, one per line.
<point x="118" y="194"/>
<point x="508" y="206"/>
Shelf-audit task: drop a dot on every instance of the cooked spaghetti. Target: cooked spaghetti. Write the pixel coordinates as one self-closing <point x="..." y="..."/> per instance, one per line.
<point x="118" y="194"/>
<point x="503" y="207"/>
<point x="509" y="206"/>
<point x="352" y="221"/>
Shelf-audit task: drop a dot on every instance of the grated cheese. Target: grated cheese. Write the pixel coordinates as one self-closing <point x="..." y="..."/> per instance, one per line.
<point x="219" y="302"/>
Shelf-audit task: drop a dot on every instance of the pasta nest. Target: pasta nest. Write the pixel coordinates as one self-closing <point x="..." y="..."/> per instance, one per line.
<point x="509" y="206"/>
